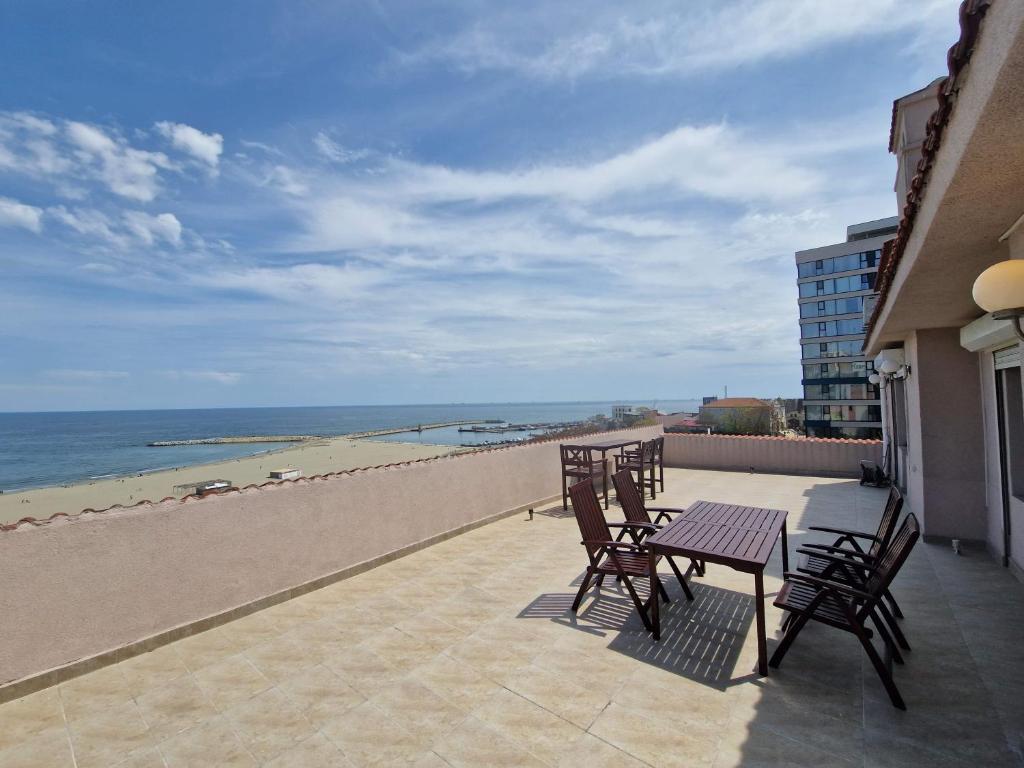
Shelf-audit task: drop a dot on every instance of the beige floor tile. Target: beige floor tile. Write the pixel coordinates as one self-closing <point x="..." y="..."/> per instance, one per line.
<point x="144" y="758"/>
<point x="251" y="630"/>
<point x="759" y="747"/>
<point x="110" y="736"/>
<point x="212" y="744"/>
<point x="153" y="669"/>
<point x="44" y="749"/>
<point x="543" y="734"/>
<point x="461" y="684"/>
<point x="200" y="650"/>
<point x="280" y="658"/>
<point x="556" y="693"/>
<point x="85" y="696"/>
<point x="230" y="681"/>
<point x="363" y="669"/>
<point x="269" y="723"/>
<point x="315" y="752"/>
<point x="658" y="742"/>
<point x="174" y="707"/>
<point x="320" y="694"/>
<point x="400" y="650"/>
<point x="431" y="631"/>
<point x="32" y="715"/>
<point x="368" y="737"/>
<point x="417" y="708"/>
<point x="474" y="744"/>
<point x="592" y="752"/>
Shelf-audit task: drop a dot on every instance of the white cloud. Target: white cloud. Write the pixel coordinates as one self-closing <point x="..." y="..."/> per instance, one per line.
<point x="217" y="377"/>
<point x="205" y="147"/>
<point x="126" y="171"/>
<point x="148" y="228"/>
<point x="131" y="228"/>
<point x="287" y="180"/>
<point x="15" y="214"/>
<point x="335" y="152"/>
<point x="570" y="40"/>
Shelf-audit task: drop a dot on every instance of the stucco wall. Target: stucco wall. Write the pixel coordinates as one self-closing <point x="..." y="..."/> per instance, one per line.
<point x="796" y="456"/>
<point x="79" y="587"/>
<point x="952" y="468"/>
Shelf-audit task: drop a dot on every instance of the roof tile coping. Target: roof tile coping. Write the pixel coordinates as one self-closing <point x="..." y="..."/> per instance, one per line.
<point x="972" y="12"/>
<point x="36" y="522"/>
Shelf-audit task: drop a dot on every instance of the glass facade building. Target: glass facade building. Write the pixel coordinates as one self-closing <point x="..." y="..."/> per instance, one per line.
<point x="832" y="283"/>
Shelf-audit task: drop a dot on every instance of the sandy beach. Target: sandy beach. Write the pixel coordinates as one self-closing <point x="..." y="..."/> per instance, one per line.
<point x="314" y="458"/>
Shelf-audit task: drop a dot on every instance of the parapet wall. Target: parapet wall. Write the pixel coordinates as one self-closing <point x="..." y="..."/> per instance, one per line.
<point x="81" y="587"/>
<point x="790" y="456"/>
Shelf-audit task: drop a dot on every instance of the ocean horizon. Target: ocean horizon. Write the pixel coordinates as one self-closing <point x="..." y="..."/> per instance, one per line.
<point x="51" y="448"/>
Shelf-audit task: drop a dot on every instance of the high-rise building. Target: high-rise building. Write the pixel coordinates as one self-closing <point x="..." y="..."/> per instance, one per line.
<point x="834" y="282"/>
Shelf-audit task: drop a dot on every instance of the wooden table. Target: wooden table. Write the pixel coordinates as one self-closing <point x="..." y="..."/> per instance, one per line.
<point x="740" y="537"/>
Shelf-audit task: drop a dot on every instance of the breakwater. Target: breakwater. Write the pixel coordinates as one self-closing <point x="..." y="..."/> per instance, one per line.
<point x="233" y="440"/>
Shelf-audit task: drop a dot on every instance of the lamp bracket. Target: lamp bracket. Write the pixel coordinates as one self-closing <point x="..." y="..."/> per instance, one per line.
<point x="1014" y="316"/>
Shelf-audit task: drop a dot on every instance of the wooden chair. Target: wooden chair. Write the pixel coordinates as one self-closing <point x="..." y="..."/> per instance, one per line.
<point x="822" y="561"/>
<point x="578" y="464"/>
<point x="643" y="462"/>
<point x="848" y="607"/>
<point x="624" y="560"/>
<point x="635" y="511"/>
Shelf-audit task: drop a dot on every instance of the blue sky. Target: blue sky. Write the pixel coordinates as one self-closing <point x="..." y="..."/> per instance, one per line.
<point x="302" y="202"/>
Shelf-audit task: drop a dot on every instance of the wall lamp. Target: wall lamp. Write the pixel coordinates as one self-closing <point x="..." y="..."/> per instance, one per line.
<point x="1000" y="290"/>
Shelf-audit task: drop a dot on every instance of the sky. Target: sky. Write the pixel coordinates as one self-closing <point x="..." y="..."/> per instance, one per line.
<point x="256" y="203"/>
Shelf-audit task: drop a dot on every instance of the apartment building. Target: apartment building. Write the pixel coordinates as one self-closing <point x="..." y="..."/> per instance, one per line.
<point x="834" y="282"/>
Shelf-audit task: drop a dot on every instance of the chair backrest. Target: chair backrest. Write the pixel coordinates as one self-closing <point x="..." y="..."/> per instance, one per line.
<point x="647" y="449"/>
<point x="895" y="555"/>
<point x="576" y="455"/>
<point x="589" y="517"/>
<point x="891" y="513"/>
<point x="659" y="449"/>
<point x="629" y="497"/>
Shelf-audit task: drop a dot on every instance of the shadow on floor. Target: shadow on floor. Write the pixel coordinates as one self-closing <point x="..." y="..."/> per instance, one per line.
<point x="701" y="640"/>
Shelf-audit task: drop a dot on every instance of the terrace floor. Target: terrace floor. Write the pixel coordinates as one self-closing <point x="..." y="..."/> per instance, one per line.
<point x="466" y="654"/>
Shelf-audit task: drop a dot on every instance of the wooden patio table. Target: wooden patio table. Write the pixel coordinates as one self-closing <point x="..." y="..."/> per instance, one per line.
<point x="728" y="534"/>
<point x="610" y="445"/>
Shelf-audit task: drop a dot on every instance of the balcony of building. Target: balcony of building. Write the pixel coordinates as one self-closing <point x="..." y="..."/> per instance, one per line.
<point x="466" y="653"/>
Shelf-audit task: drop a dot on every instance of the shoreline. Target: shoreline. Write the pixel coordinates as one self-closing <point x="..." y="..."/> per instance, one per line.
<point x="331" y="454"/>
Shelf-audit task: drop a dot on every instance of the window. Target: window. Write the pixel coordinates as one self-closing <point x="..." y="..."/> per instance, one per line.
<point x="847" y="306"/>
<point x="847" y="263"/>
<point x="1013" y="420"/>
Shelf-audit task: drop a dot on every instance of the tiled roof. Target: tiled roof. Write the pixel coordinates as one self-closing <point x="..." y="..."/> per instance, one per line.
<point x="971" y="14"/>
<point x="737" y="402"/>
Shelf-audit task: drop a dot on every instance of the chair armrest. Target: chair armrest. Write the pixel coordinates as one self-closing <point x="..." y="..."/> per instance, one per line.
<point x="834" y="586"/>
<point x="821" y="549"/>
<point x="842" y="532"/>
<point x="642" y="526"/>
<point x="621" y="545"/>
<point x="666" y="510"/>
<point x="843" y="561"/>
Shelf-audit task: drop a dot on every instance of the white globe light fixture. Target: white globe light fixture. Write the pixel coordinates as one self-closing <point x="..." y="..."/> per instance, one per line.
<point x="1000" y="290"/>
<point x="889" y="366"/>
<point x="874" y="378"/>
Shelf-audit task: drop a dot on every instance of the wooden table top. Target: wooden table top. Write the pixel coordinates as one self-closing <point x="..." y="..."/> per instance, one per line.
<point x="611" y="445"/>
<point x="742" y="537"/>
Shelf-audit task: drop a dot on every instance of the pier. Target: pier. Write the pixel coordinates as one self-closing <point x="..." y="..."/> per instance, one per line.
<point x="230" y="440"/>
<point x="422" y="428"/>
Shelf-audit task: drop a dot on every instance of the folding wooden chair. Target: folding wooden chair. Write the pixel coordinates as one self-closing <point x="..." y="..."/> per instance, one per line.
<point x="847" y="607"/>
<point x="578" y="464"/>
<point x="624" y="560"/>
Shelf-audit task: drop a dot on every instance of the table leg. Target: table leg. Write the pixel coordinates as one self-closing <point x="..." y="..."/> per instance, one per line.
<point x="762" y="640"/>
<point x="785" y="551"/>
<point x="652" y="560"/>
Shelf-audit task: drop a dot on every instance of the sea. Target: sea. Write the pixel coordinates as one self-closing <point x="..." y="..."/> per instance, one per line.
<point x="59" y="448"/>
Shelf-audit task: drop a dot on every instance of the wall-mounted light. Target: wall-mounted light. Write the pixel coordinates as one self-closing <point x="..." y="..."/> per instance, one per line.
<point x="889" y="366"/>
<point x="875" y="379"/>
<point x="1000" y="290"/>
